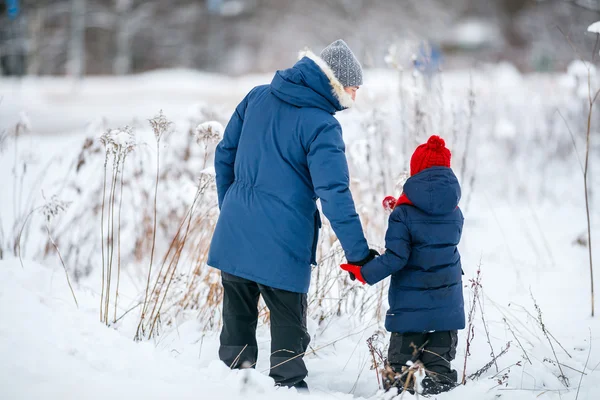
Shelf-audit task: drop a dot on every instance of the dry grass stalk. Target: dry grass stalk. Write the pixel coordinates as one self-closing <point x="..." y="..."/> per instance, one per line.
<point x="592" y="97"/>
<point x="487" y="333"/>
<point x="562" y="377"/>
<point x="50" y="210"/>
<point x="111" y="247"/>
<point x="585" y="366"/>
<point x="119" y="241"/>
<point x="63" y="264"/>
<point x="518" y="341"/>
<point x="118" y="143"/>
<point x="200" y="228"/>
<point x="487" y="366"/>
<point x="375" y="352"/>
<point x="102" y="233"/>
<point x="18" y="242"/>
<point x="475" y="286"/>
<point x="238" y="357"/>
<point x="547" y="331"/>
<point x="177" y="245"/>
<point x="160" y="126"/>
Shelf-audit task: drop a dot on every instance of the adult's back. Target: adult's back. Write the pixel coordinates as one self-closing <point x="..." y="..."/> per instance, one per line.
<point x="282" y="150"/>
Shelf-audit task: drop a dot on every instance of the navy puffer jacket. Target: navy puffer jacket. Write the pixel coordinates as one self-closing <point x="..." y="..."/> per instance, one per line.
<point x="281" y="151"/>
<point x="422" y="257"/>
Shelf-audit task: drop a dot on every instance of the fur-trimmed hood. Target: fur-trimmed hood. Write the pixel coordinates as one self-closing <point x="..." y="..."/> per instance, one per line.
<point x="311" y="83"/>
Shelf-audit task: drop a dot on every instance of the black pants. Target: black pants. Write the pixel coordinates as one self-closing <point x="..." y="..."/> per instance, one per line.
<point x="289" y="336"/>
<point x="437" y="350"/>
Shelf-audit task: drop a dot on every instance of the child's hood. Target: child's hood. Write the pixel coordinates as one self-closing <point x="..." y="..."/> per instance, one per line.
<point x="435" y="190"/>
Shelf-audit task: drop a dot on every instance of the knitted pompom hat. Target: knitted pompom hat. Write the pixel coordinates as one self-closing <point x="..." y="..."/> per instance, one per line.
<point x="431" y="154"/>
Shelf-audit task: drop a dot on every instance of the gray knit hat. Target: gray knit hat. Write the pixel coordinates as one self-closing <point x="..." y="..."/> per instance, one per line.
<point x="343" y="62"/>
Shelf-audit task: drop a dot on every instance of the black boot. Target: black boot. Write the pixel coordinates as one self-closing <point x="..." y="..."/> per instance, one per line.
<point x="432" y="386"/>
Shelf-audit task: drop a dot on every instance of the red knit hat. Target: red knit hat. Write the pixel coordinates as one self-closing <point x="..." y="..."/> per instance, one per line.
<point x="431" y="154"/>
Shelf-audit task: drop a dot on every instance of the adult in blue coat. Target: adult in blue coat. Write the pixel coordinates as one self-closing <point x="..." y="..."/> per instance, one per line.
<point x="281" y="151"/>
<point x="425" y="294"/>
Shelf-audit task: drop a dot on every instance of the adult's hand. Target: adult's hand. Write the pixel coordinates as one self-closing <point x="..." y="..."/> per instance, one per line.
<point x="372" y="254"/>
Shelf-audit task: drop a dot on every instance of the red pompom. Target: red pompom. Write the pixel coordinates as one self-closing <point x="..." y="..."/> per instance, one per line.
<point x="389" y="203"/>
<point x="436" y="143"/>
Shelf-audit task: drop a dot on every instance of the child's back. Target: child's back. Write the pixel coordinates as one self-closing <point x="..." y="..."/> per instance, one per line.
<point x="425" y="295"/>
<point x="422" y="256"/>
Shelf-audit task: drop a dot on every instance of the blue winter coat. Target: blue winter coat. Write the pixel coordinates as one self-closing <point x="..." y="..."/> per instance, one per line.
<point x="422" y="257"/>
<point x="281" y="150"/>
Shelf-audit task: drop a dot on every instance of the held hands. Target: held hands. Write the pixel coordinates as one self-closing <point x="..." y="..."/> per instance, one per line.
<point x="353" y="268"/>
<point x="354" y="271"/>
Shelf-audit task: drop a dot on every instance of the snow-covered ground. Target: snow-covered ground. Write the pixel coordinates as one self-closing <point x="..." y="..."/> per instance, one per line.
<point x="522" y="198"/>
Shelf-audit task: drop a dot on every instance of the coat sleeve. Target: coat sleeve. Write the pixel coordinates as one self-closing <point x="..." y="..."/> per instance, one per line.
<point x="226" y="151"/>
<point x="331" y="180"/>
<point x="397" y="251"/>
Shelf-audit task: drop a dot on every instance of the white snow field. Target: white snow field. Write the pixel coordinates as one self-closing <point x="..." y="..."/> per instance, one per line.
<point x="525" y="224"/>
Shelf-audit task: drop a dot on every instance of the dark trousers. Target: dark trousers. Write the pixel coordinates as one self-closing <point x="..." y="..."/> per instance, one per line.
<point x="437" y="349"/>
<point x="289" y="336"/>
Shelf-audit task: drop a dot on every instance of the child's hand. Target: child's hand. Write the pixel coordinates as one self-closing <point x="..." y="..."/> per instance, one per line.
<point x="354" y="271"/>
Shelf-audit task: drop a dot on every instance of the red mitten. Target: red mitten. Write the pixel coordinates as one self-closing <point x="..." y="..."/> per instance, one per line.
<point x="354" y="270"/>
<point x="389" y="203"/>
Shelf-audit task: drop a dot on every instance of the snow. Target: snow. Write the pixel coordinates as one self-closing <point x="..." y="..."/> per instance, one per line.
<point x="580" y="68"/>
<point x="594" y="28"/>
<point x="522" y="200"/>
<point x="52" y="350"/>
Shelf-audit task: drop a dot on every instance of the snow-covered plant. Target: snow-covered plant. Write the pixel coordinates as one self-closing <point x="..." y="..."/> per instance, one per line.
<point x="50" y="210"/>
<point x="118" y="144"/>
<point x="160" y="125"/>
<point x="209" y="132"/>
<point x="54" y="207"/>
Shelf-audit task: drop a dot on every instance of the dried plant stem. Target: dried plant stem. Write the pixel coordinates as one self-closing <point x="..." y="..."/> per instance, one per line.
<point x="15" y="170"/>
<point x="119" y="241"/>
<point x="562" y="378"/>
<point x="111" y="235"/>
<point x="547" y="331"/>
<point x="591" y="101"/>
<point x="487" y="366"/>
<point x="487" y="334"/>
<point x="63" y="264"/>
<point x="238" y="357"/>
<point x="518" y="341"/>
<point x="585" y="366"/>
<point x="475" y="285"/>
<point x="102" y="235"/>
<point x="585" y="184"/>
<point x="372" y="350"/>
<point x="18" y="242"/>
<point x="145" y="305"/>
<point x="128" y="311"/>
<point x="154" y="315"/>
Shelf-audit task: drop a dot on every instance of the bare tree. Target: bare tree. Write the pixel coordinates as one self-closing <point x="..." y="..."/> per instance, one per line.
<point x="76" y="54"/>
<point x="122" y="60"/>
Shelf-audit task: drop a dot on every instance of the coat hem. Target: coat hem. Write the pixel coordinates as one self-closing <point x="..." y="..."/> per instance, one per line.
<point x="257" y="279"/>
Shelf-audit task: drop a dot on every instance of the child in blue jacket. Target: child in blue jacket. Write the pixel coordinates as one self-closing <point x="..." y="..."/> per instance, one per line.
<point x="425" y="295"/>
